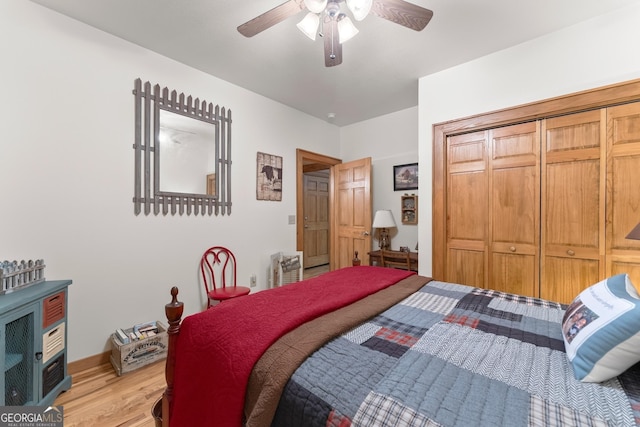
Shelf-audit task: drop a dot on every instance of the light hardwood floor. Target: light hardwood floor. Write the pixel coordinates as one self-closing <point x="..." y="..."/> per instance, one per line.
<point x="98" y="397"/>
<point x="315" y="271"/>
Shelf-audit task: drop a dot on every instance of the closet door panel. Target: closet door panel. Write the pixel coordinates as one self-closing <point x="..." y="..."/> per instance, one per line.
<point x="569" y="277"/>
<point x="632" y="268"/>
<point x="624" y="199"/>
<point x="573" y="204"/>
<point x="514" y="273"/>
<point x="514" y="209"/>
<point x="623" y="193"/>
<point x="466" y="267"/>
<point x="467" y="206"/>
<point x="573" y="132"/>
<point x="467" y="209"/>
<point x="514" y="205"/>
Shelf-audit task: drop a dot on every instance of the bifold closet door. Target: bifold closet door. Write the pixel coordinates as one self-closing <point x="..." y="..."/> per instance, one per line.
<point x="467" y="209"/>
<point x="623" y="190"/>
<point x="514" y="227"/>
<point x="573" y="204"/>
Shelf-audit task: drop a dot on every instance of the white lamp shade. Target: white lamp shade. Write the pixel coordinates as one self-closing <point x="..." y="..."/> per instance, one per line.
<point x="383" y="219"/>
<point x="359" y="8"/>
<point x="309" y="25"/>
<point x="315" y="6"/>
<point x="346" y="29"/>
<point x="635" y="233"/>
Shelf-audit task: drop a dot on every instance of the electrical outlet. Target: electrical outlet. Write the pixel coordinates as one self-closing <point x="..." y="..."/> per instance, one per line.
<point x="252" y="280"/>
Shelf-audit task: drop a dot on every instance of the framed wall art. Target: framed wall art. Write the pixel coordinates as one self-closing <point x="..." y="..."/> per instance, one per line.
<point x="405" y="177"/>
<point x="269" y="177"/>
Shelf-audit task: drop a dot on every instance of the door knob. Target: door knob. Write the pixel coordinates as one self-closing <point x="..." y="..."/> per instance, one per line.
<point x="365" y="233"/>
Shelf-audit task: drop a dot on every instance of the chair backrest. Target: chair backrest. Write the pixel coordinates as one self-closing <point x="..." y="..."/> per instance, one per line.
<point x="218" y="268"/>
<point x="395" y="259"/>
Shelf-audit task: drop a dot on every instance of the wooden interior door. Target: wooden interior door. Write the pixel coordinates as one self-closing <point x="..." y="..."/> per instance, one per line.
<point x="309" y="162"/>
<point x="514" y="226"/>
<point x="573" y="204"/>
<point x="623" y="194"/>
<point x="467" y="209"/>
<point x="352" y="214"/>
<point x="316" y="219"/>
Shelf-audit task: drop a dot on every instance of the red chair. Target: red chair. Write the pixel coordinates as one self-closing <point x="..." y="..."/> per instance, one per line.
<point x="218" y="267"/>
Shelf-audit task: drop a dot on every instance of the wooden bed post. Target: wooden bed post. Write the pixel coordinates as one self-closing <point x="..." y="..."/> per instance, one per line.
<point x="173" y="311"/>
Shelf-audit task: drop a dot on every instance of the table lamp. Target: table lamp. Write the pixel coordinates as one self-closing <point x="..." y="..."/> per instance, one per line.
<point x="635" y="233"/>
<point x="383" y="220"/>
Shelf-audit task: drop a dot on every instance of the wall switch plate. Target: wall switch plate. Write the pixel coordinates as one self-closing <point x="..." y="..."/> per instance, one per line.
<point x="292" y="219"/>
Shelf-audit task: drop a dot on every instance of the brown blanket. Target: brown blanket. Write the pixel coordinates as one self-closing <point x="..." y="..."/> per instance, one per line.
<point x="272" y="371"/>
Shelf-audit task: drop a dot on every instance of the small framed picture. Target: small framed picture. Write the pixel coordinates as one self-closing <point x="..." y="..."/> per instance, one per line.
<point x="269" y="177"/>
<point x="405" y="177"/>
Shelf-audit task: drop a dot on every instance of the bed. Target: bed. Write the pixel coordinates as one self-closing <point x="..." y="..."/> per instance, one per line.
<point x="372" y="346"/>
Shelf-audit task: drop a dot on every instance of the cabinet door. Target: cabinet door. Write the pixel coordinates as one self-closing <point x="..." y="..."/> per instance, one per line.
<point x="623" y="195"/>
<point x="467" y="209"/>
<point x="573" y="204"/>
<point x="409" y="209"/>
<point x="514" y="182"/>
<point x="19" y="380"/>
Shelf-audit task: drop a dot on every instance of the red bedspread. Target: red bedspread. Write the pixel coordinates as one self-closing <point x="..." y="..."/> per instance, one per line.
<point x="217" y="348"/>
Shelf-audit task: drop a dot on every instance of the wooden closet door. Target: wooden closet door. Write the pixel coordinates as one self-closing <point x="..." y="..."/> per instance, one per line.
<point x="573" y="204"/>
<point x="623" y="190"/>
<point x="514" y="194"/>
<point x="467" y="209"/>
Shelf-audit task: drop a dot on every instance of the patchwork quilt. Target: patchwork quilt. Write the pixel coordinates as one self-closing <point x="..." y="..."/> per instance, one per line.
<point x="452" y="355"/>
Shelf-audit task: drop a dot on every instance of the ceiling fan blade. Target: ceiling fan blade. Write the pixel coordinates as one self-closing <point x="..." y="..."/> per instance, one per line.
<point x="271" y="18"/>
<point x="332" y="46"/>
<point x="403" y="13"/>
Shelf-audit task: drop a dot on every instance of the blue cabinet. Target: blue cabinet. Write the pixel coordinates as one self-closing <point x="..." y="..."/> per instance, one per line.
<point x="33" y="344"/>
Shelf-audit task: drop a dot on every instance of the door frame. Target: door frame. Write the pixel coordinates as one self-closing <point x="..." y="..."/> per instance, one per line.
<point x="307" y="161"/>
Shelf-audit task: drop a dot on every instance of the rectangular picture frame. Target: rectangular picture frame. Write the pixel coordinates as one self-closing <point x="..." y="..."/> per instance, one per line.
<point x="405" y="177"/>
<point x="269" y="177"/>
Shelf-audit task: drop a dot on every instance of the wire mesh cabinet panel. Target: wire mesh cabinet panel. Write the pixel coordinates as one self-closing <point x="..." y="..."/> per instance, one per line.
<point x="33" y="351"/>
<point x="18" y="344"/>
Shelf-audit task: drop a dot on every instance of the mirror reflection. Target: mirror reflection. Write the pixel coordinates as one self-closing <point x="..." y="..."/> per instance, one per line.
<point x="182" y="154"/>
<point x="187" y="154"/>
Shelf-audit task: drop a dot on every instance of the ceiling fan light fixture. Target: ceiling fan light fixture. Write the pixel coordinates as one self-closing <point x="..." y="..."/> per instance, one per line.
<point x="359" y="8"/>
<point x="346" y="29"/>
<point x="315" y="6"/>
<point x="309" y="25"/>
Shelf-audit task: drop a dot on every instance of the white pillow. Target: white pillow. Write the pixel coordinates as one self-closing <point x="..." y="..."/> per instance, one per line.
<point x="601" y="329"/>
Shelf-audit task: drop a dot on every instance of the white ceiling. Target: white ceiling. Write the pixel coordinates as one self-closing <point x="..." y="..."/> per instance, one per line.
<point x="381" y="65"/>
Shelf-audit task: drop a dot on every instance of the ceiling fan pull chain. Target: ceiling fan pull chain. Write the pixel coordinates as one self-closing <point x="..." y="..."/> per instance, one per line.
<point x="333" y="54"/>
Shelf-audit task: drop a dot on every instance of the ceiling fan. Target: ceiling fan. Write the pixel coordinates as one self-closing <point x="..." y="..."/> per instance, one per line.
<point x="326" y="19"/>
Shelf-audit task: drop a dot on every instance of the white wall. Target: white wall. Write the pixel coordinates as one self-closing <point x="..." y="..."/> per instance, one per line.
<point x="66" y="168"/>
<point x="389" y="140"/>
<point x="594" y="53"/>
